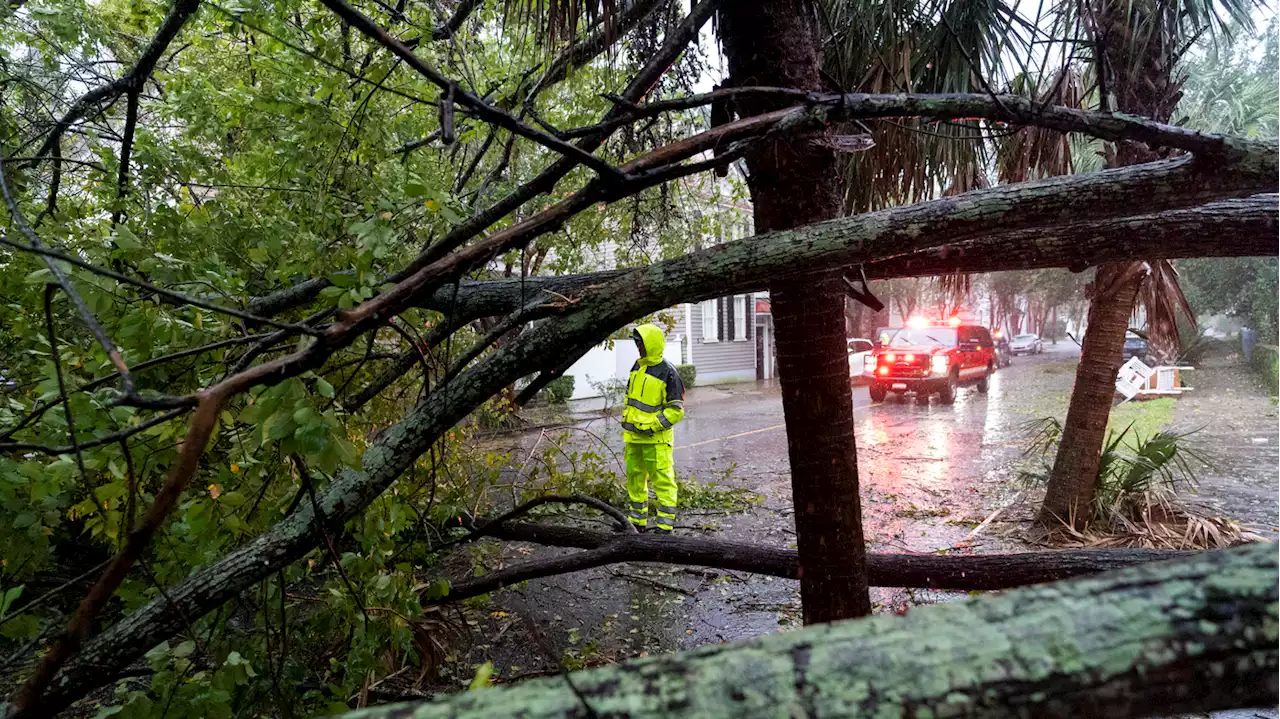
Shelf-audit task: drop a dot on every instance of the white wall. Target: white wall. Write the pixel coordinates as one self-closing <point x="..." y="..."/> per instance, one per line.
<point x="597" y="365"/>
<point x="601" y="364"/>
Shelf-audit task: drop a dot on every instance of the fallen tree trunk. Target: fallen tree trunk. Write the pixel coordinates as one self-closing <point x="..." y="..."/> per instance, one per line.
<point x="1250" y="222"/>
<point x="1194" y="634"/>
<point x="921" y="571"/>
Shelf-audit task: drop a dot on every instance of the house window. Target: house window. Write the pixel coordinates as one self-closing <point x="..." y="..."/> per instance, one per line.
<point x="710" y="321"/>
<point x="740" y="318"/>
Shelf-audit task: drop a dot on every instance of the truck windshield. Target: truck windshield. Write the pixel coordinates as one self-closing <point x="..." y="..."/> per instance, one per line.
<point x="927" y="336"/>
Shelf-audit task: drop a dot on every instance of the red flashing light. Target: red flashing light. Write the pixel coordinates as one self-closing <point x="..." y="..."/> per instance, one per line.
<point x="883" y="370"/>
<point x="908" y="358"/>
<point x="954" y="321"/>
<point x="890" y="357"/>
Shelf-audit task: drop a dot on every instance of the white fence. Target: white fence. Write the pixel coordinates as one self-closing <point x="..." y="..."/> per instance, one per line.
<point x="603" y="363"/>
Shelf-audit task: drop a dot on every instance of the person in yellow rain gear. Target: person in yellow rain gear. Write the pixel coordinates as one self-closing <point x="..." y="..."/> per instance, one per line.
<point x="655" y="403"/>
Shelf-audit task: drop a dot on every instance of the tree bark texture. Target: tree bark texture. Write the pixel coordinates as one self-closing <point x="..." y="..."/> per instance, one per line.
<point x="1136" y="59"/>
<point x="600" y="309"/>
<point x="919" y="571"/>
<point x="793" y="183"/>
<point x="1074" y="481"/>
<point x="1250" y="224"/>
<point x="1195" y="634"/>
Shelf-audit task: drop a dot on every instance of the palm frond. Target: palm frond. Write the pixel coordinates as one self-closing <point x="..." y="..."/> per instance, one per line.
<point x="559" y="21"/>
<point x="917" y="46"/>
<point x="1229" y="91"/>
<point x="1162" y="299"/>
<point x="1035" y="152"/>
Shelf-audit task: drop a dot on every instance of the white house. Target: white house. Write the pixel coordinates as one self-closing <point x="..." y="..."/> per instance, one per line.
<point x="726" y="339"/>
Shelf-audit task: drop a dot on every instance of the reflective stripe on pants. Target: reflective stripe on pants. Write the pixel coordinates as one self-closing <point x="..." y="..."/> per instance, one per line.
<point x="652" y="463"/>
<point x="639" y="513"/>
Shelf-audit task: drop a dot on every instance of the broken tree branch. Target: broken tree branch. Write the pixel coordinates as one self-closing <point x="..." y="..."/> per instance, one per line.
<point x="1010" y="109"/>
<point x="1166" y="185"/>
<point x="544" y="182"/>
<point x="479" y="107"/>
<point x="447" y="29"/>
<point x="922" y="571"/>
<point x="131" y="81"/>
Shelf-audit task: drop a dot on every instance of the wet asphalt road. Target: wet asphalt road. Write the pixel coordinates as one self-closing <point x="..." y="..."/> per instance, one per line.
<point x="915" y="461"/>
<point x="929" y="475"/>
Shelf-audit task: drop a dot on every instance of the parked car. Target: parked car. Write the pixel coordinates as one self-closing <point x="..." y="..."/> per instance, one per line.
<point x="1004" y="356"/>
<point x="928" y="357"/>
<point x="861" y="362"/>
<point x="1025" y="345"/>
<point x="1134" y="346"/>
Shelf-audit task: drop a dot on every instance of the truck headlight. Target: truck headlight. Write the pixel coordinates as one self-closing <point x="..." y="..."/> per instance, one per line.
<point x="939" y="364"/>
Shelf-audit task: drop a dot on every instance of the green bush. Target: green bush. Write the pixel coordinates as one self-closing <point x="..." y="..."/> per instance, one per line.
<point x="1266" y="362"/>
<point x="688" y="374"/>
<point x="1134" y="468"/>
<point x="559" y="390"/>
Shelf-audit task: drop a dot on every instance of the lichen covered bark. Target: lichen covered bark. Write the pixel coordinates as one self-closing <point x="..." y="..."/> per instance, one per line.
<point x="1189" y="635"/>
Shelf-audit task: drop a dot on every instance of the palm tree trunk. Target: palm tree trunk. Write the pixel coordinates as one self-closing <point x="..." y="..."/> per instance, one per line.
<point x="1074" y="479"/>
<point x="1135" y="48"/>
<point x="794" y="183"/>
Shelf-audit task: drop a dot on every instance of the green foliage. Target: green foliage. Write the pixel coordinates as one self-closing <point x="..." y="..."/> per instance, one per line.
<point x="483" y="677"/>
<point x="559" y="390"/>
<point x="1134" y="467"/>
<point x="688" y="374"/>
<point x="565" y="467"/>
<point x="1266" y="362"/>
<point x="1231" y="87"/>
<point x="1231" y="84"/>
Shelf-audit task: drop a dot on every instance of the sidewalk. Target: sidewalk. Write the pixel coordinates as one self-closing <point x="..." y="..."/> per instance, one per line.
<point x="591" y="407"/>
<point x="1236" y="424"/>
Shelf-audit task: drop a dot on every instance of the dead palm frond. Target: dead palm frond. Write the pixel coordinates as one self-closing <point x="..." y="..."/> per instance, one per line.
<point x="1035" y="152"/>
<point x="1162" y="527"/>
<point x="559" y="21"/>
<point x="1137" y="503"/>
<point x="1162" y="298"/>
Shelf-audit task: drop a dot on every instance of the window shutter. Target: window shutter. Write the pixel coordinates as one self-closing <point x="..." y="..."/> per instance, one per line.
<point x="751" y="316"/>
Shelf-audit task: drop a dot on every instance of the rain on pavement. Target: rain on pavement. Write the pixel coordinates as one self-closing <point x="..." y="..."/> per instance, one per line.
<point x="929" y="475"/>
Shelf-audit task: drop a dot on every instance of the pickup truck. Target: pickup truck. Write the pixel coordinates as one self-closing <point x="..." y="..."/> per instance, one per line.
<point x="934" y="357"/>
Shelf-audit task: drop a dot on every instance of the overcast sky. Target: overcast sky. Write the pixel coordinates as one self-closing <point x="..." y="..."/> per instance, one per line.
<point x="1029" y="9"/>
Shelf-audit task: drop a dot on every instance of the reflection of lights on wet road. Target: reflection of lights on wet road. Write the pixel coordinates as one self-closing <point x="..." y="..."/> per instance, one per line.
<point x="995" y="404"/>
<point x="913" y="448"/>
<point x="937" y="448"/>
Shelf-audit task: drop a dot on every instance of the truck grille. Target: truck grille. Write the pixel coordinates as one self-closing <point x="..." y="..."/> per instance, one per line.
<point x="904" y="370"/>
